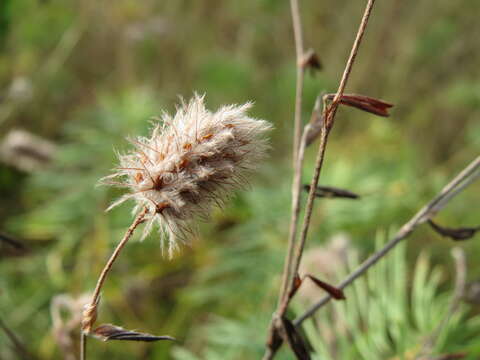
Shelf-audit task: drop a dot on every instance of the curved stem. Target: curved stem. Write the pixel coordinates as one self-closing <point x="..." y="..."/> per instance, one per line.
<point x="101" y="279"/>
<point x="90" y="313"/>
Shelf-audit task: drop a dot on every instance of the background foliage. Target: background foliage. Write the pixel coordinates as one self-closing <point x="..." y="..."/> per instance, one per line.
<point x="84" y="74"/>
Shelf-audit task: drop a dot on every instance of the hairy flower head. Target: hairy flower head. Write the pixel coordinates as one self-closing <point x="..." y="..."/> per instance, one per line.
<point x="189" y="163"/>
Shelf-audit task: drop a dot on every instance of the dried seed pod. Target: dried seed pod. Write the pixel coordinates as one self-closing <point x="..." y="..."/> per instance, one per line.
<point x="190" y="162"/>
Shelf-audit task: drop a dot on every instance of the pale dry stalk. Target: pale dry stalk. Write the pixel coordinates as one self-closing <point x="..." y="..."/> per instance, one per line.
<point x="297" y="163"/>
<point x="90" y="311"/>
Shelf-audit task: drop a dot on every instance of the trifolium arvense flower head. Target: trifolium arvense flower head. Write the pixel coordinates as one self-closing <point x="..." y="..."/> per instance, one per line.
<point x="189" y="163"/>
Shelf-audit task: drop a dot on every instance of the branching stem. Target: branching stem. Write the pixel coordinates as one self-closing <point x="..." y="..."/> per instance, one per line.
<point x="294" y="252"/>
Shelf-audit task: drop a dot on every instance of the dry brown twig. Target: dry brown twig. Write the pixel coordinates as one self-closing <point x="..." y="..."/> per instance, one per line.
<point x="294" y="252"/>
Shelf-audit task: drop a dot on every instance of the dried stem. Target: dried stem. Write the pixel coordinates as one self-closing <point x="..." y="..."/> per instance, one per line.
<point x="90" y="313"/>
<point x="297" y="164"/>
<point x="293" y="260"/>
<point x="83" y="346"/>
<point x="473" y="177"/>
<point x="298" y="35"/>
<point x="348" y="68"/>
<point x="311" y="198"/>
<point x="419" y="218"/>
<point x="296" y="197"/>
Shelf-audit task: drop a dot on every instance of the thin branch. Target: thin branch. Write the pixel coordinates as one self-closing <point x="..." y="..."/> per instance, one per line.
<point x="348" y="68"/>
<point x="90" y="313"/>
<point x="419" y="218"/>
<point x="83" y="346"/>
<point x="298" y="36"/>
<point x="310" y="201"/>
<point x="296" y="197"/>
<point x="297" y="165"/>
<point x="474" y="176"/>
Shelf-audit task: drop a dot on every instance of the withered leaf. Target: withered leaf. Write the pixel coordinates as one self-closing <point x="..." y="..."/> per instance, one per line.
<point x="332" y="192"/>
<point x="365" y="103"/>
<point x="295" y="340"/>
<point x="457" y="234"/>
<point x="334" y="292"/>
<point x="108" y="332"/>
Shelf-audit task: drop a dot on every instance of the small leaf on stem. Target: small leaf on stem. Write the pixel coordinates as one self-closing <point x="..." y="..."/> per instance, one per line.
<point x="332" y="192"/>
<point x="365" y="103"/>
<point x="335" y="292"/>
<point x="108" y="332"/>
<point x="457" y="234"/>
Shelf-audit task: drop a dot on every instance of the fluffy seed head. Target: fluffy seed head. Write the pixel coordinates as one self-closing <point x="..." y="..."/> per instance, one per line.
<point x="189" y="162"/>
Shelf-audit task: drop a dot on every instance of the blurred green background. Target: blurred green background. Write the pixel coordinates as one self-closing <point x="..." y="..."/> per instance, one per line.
<point x="84" y="74"/>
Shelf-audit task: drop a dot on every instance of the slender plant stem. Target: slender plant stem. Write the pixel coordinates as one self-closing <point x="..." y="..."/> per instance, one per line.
<point x="351" y="59"/>
<point x="297" y="166"/>
<point x="90" y="313"/>
<point x="471" y="178"/>
<point x="83" y="346"/>
<point x="296" y="197"/>
<point x="299" y="50"/>
<point x="419" y="218"/>
<point x="108" y="266"/>
<point x="310" y="200"/>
